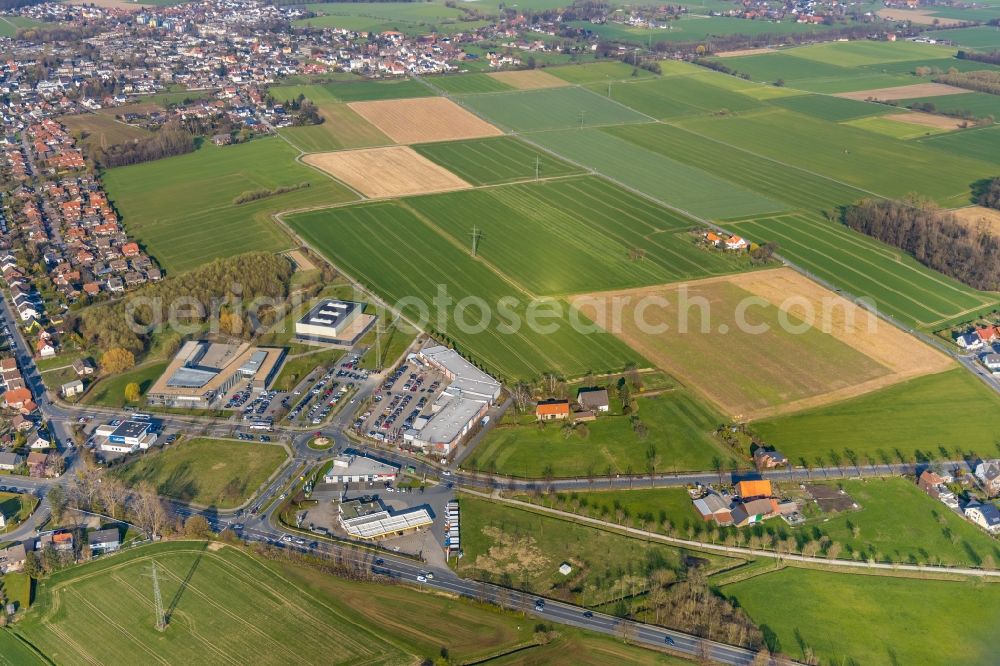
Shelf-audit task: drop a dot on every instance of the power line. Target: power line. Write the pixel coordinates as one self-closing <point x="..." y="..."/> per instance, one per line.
<point x="161" y="620"/>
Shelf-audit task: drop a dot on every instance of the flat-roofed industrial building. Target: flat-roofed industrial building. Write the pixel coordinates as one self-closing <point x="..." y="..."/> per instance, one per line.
<point x="334" y="322"/>
<point x="203" y="371"/>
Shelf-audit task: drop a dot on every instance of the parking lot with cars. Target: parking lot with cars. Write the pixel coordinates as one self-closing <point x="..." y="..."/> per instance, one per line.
<point x="404" y="397"/>
<point x="318" y="396"/>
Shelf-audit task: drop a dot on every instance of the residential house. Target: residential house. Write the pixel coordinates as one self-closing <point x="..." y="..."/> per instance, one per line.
<point x="69" y="389"/>
<point x="38" y="442"/>
<point x="21" y="424"/>
<point x="988" y="474"/>
<point x="9" y="461"/>
<point x="60" y="541"/>
<point x="931" y="483"/>
<point x="45" y="348"/>
<point x="37" y="463"/>
<point x="970" y="341"/>
<point x="754" y="511"/>
<point x="593" y="399"/>
<point x="17" y="398"/>
<point x="552" y="410"/>
<point x="736" y="243"/>
<point x="768" y="458"/>
<point x="104" y="541"/>
<point x="986" y="516"/>
<point x="992" y="362"/>
<point x="12" y="558"/>
<point x="83" y="366"/>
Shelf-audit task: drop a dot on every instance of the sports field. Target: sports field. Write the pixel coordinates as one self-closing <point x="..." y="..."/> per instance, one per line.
<point x="656" y="174"/>
<point x="386" y="172"/>
<point x="423" y="120"/>
<point x="679" y="425"/>
<point x="953" y="410"/>
<point x="591" y="227"/>
<point x="552" y="108"/>
<point x="388" y="248"/>
<point x="181" y="208"/>
<point x="762" y="343"/>
<point x="495" y="160"/>
<point x="341" y="128"/>
<point x="207" y="472"/>
<point x="848" y="618"/>
<point x="892" y="280"/>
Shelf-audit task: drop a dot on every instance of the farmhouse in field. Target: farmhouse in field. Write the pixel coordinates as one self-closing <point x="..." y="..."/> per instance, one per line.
<point x="593" y="399"/>
<point x="713" y="506"/>
<point x="752" y="504"/>
<point x="552" y="410"/>
<point x="768" y="458"/>
<point x="731" y="243"/>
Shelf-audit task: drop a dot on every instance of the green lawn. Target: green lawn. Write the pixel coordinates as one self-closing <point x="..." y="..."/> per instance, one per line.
<point x="16" y="507"/>
<point x="110" y="391"/>
<point x="181" y="208"/>
<point x="501" y="159"/>
<point x="207" y="472"/>
<point x="551" y="108"/>
<point x="297" y="367"/>
<point x="679" y="428"/>
<point x="524" y="549"/>
<point x="952" y="410"/>
<point x="894" y="281"/>
<point x="850" y="618"/>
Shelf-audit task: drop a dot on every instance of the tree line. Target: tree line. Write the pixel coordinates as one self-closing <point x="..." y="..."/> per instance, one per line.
<point x="988" y="193"/>
<point x="991" y="58"/>
<point x="934" y="237"/>
<point x="982" y="81"/>
<point x="116" y="325"/>
<point x="168" y="141"/>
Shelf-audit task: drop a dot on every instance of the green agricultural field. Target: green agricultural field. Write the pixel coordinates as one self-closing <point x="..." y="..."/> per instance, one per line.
<point x="524" y="549"/>
<point x="597" y="225"/>
<point x="355" y="89"/>
<point x="388" y="248"/>
<point x="865" y="52"/>
<point x="878" y="164"/>
<point x="827" y="107"/>
<point x="798" y="188"/>
<point x="110" y="391"/>
<point x="980" y="143"/>
<point x="978" y="104"/>
<point x="677" y="96"/>
<point x="501" y="159"/>
<point x="226" y="602"/>
<point x="980" y="37"/>
<point x="341" y="128"/>
<point x="679" y="428"/>
<point x="697" y="29"/>
<point x="552" y="108"/>
<point x="656" y="174"/>
<point x="771" y="67"/>
<point x="181" y="208"/>
<point x="933" y="417"/>
<point x="15" y="652"/>
<point x="895" y="128"/>
<point x="463" y="84"/>
<point x="595" y="72"/>
<point x="207" y="472"/>
<point x="845" y="618"/>
<point x="100" y="130"/>
<point x="415" y="18"/>
<point x="894" y="281"/>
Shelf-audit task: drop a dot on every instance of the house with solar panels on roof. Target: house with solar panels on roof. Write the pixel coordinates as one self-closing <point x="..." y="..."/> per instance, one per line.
<point x="202" y="372"/>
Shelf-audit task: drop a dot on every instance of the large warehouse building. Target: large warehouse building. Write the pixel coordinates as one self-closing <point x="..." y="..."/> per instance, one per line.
<point x="358" y="469"/>
<point x="202" y="372"/>
<point x="460" y="406"/>
<point x="334" y="322"/>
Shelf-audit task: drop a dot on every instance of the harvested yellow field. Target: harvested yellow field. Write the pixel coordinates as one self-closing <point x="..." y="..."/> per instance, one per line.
<point x="927" y="120"/>
<point x="762" y="343"/>
<point x="529" y="79"/>
<point x="917" y="16"/>
<point x="744" y="52"/>
<point x="423" y="120"/>
<point x="979" y="217"/>
<point x="393" y="171"/>
<point x="904" y="92"/>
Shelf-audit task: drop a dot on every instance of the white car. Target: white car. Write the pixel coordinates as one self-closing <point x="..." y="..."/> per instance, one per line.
<point x="447" y="472"/>
<point x="421" y="579"/>
<point x="286" y="539"/>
